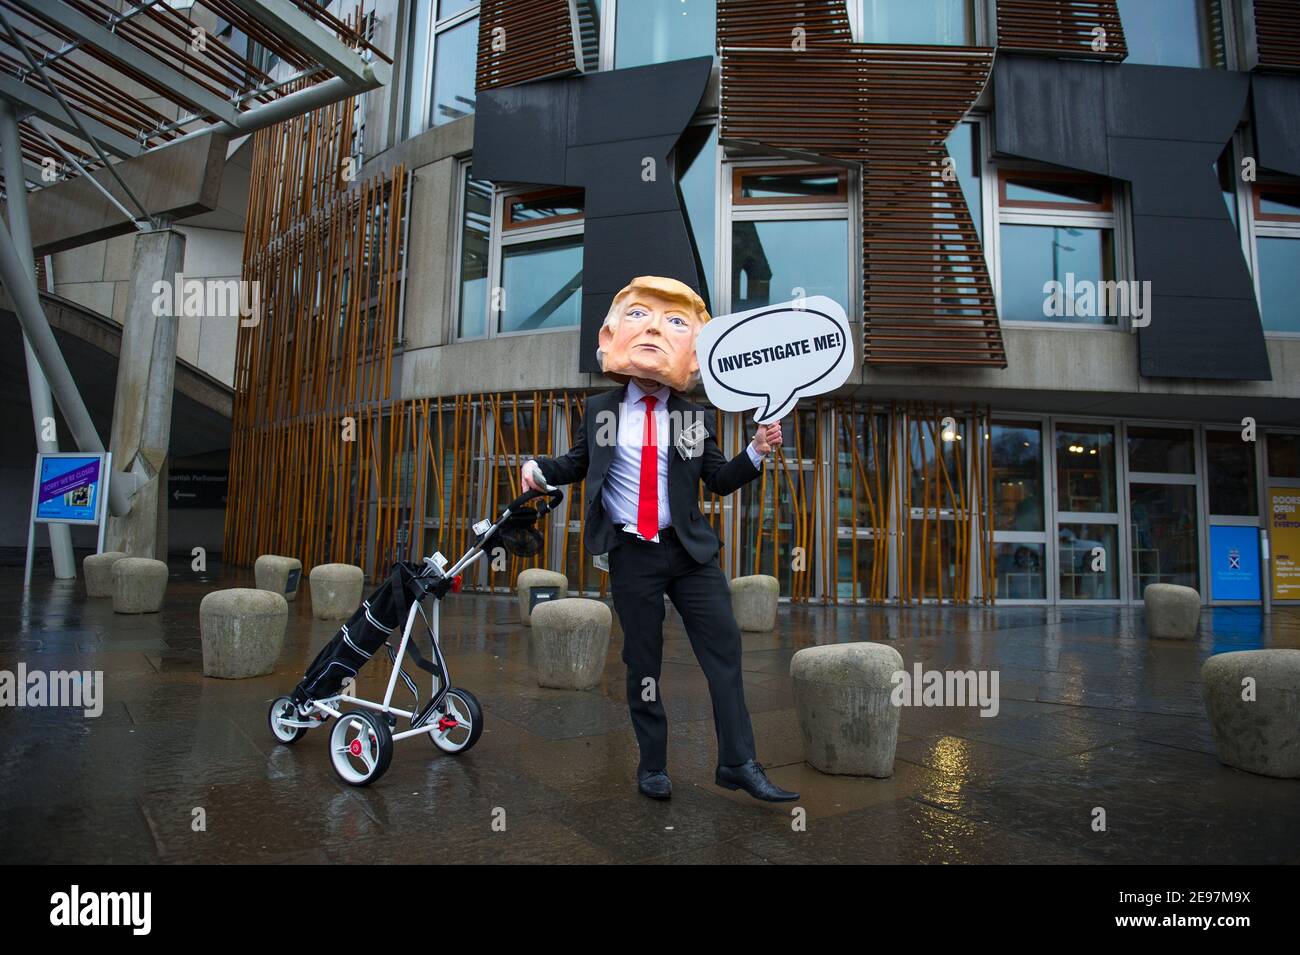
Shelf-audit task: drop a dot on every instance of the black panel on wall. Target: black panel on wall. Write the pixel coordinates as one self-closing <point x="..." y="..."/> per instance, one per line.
<point x="1276" y="109"/>
<point x="1161" y="129"/>
<point x="596" y="131"/>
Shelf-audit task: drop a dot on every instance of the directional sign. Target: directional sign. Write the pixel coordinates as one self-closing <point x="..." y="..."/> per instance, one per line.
<point x="197" y="489"/>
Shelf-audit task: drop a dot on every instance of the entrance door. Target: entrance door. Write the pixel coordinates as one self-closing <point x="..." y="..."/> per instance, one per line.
<point x="1163" y="508"/>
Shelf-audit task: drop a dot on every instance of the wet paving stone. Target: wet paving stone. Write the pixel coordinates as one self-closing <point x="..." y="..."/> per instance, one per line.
<point x="1091" y="714"/>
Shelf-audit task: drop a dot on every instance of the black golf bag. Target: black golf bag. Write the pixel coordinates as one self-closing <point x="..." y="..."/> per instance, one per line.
<point x="386" y="609"/>
<point x="369" y="628"/>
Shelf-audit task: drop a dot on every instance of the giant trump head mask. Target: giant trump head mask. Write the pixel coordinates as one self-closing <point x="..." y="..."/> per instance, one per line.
<point x="650" y="333"/>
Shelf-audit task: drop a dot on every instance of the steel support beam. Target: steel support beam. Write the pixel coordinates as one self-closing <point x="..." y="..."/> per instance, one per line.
<point x="289" y="23"/>
<point x="87" y="30"/>
<point x="52" y="112"/>
<point x="11" y="154"/>
<point x="21" y="286"/>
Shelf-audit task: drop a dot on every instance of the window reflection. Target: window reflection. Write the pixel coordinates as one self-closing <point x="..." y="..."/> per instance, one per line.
<point x="1279" y="283"/>
<point x="1033" y="255"/>
<point x="659" y="31"/>
<point x="1230" y="473"/>
<point x="1017" y="461"/>
<point x="1085" y="468"/>
<point x="1163" y="535"/>
<point x="1077" y="556"/>
<point x="543" y="284"/>
<point x="1173" y="32"/>
<point x="769" y="260"/>
<point x="455" y="58"/>
<point x="918" y="21"/>
<point x="476" y="231"/>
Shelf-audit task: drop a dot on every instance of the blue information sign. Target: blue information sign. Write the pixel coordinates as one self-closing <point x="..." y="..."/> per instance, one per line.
<point x="69" y="488"/>
<point x="1234" y="562"/>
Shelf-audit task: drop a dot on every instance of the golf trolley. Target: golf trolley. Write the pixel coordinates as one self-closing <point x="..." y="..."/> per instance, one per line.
<point x="361" y="741"/>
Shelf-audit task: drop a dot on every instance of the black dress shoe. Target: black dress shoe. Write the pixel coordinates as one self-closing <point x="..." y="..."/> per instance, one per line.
<point x="751" y="778"/>
<point x="654" y="784"/>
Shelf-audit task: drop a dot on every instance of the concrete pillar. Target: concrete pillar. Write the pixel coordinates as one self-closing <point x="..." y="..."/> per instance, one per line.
<point x="142" y="409"/>
<point x="65" y="567"/>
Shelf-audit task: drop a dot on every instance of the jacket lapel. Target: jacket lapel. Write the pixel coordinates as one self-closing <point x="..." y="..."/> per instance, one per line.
<point x="602" y="452"/>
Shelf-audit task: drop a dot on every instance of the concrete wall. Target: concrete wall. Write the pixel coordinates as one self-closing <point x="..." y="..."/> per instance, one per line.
<point x="96" y="275"/>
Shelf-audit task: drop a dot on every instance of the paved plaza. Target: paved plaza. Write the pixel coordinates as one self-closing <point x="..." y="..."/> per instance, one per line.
<point x="1092" y="714"/>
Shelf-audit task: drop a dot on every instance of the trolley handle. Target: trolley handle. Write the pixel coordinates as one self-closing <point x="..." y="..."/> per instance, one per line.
<point x="553" y="499"/>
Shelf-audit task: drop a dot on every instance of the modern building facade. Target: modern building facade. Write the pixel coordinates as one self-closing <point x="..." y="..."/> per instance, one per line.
<point x="1068" y="234"/>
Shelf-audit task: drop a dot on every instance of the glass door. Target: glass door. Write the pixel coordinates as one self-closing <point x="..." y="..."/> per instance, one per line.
<point x="1089" y="535"/>
<point x="1163" y="508"/>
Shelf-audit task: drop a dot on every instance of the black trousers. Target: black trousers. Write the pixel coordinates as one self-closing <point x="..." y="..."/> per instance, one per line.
<point x="640" y="573"/>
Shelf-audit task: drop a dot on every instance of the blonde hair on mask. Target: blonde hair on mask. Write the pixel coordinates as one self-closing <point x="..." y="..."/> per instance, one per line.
<point x="663" y="287"/>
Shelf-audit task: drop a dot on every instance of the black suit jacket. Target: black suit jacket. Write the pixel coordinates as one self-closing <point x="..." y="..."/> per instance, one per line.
<point x="590" y="458"/>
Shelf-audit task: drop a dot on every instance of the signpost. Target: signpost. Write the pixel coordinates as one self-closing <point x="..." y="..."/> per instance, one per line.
<point x="69" y="487"/>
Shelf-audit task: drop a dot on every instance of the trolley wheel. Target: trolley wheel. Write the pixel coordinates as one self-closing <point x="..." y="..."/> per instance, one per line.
<point x="282" y="708"/>
<point x="361" y="747"/>
<point x="458" y="723"/>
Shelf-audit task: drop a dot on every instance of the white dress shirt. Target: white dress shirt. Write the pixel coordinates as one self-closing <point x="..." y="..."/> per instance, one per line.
<point x="621" y="491"/>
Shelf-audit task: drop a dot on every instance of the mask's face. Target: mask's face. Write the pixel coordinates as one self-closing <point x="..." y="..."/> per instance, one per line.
<point x="655" y="339"/>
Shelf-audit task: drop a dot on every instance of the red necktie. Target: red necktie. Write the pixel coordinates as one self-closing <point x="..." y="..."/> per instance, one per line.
<point x="647" y="511"/>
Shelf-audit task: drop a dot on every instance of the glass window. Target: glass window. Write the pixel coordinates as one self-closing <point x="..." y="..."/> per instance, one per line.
<point x="442" y="62"/>
<point x="1078" y="258"/>
<point x="475" y="242"/>
<point x="455" y="60"/>
<point x="1019" y="567"/>
<point x="1039" y="191"/>
<point x="1161" y="450"/>
<point x="1230" y="473"/>
<point x="918" y="21"/>
<point x="862" y="516"/>
<point x="770" y="259"/>
<point x="542" y="282"/>
<point x="964" y="148"/>
<point x="1085" y="468"/>
<point x="1278" y="202"/>
<point x="659" y="31"/>
<point x="547" y="205"/>
<point x="1017" y="462"/>
<point x="1284" y="455"/>
<point x="786" y="184"/>
<point x="1173" y="32"/>
<point x="925" y="436"/>
<point x="1163" y="536"/>
<point x="699" y="185"/>
<point x="1279" y="282"/>
<point x="417" y="64"/>
<point x="1077" y="556"/>
<point x="1058" y="228"/>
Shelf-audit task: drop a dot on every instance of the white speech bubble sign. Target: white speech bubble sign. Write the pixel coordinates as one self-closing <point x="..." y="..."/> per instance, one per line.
<point x="769" y="357"/>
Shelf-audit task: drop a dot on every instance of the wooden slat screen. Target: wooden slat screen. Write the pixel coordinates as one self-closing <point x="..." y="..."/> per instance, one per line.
<point x="1061" y="28"/>
<point x="326" y="255"/>
<point x="534" y="40"/>
<point x="1277" y="33"/>
<point x="887" y="110"/>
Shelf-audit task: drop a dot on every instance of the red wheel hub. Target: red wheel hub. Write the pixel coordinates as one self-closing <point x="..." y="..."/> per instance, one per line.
<point x="354" y="747"/>
<point x="448" y="722"/>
